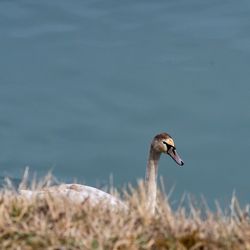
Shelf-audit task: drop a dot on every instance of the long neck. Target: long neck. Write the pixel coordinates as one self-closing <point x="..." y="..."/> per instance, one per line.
<point x="151" y="179"/>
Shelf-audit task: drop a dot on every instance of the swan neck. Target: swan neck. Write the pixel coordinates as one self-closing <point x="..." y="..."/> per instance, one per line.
<point x="151" y="179"/>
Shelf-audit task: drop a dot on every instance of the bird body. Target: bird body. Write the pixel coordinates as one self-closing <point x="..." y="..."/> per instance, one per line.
<point x="76" y="193"/>
<point x="162" y="143"/>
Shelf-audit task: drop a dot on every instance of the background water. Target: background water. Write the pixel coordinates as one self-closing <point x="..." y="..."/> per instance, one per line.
<point x="85" y="85"/>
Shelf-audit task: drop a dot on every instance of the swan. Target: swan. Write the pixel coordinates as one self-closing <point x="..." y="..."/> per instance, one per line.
<point x="162" y="143"/>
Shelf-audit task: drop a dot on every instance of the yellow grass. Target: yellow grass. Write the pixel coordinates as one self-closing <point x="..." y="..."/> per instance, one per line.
<point x="54" y="223"/>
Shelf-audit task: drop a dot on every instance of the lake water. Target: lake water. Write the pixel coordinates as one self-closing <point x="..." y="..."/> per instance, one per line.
<point x="85" y="85"/>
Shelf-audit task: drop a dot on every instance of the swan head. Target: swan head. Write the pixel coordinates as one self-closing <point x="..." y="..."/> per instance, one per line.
<point x="164" y="143"/>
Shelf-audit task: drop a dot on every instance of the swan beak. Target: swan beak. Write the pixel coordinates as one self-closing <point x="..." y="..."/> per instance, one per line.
<point x="173" y="153"/>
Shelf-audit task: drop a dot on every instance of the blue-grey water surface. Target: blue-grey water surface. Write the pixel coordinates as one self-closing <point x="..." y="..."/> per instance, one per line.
<point x="85" y="85"/>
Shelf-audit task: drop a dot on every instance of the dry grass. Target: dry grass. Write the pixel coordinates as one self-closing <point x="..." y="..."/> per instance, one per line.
<point x="55" y="223"/>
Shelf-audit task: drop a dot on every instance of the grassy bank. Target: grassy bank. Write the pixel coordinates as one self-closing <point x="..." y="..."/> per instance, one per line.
<point x="55" y="223"/>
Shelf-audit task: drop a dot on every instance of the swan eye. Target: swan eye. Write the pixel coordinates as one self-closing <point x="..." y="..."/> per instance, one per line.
<point x="168" y="146"/>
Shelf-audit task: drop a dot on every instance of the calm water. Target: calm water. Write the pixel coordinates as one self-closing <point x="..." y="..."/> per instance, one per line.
<point x="85" y="85"/>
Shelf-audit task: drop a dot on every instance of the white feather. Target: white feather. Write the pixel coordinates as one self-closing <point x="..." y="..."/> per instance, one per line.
<point x="77" y="193"/>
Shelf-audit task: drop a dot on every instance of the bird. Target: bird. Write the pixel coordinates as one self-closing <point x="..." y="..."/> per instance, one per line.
<point x="161" y="143"/>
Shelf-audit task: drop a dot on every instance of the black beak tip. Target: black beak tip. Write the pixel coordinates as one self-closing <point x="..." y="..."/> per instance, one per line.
<point x="182" y="163"/>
